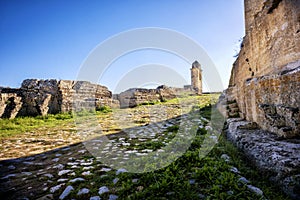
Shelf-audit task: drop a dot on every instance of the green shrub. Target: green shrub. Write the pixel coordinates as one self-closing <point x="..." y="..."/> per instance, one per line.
<point x="104" y="109"/>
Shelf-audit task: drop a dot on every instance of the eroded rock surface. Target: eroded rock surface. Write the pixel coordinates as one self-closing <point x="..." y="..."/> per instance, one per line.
<point x="41" y="97"/>
<point x="265" y="78"/>
<point x="136" y="96"/>
<point x="280" y="157"/>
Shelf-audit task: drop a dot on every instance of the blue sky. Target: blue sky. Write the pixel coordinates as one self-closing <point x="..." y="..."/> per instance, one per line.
<point x="51" y="38"/>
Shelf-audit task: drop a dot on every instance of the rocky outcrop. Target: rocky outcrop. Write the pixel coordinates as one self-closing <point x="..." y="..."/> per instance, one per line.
<point x="41" y="97"/>
<point x="265" y="78"/>
<point x="271" y="154"/>
<point x="264" y="91"/>
<point x="137" y="96"/>
<point x="10" y="104"/>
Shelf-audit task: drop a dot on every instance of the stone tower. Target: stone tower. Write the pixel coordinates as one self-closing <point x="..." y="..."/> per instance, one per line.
<point x="196" y="77"/>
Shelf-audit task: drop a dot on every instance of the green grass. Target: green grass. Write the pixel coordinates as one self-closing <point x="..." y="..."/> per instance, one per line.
<point x="19" y="125"/>
<point x="210" y="176"/>
<point x="202" y="100"/>
<point x="9" y="127"/>
<point x="147" y="103"/>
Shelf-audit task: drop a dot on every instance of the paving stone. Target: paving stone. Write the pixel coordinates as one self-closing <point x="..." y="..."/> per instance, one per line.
<point x="235" y="170"/>
<point x="65" y="171"/>
<point x="8" y="176"/>
<point x="86" y="173"/>
<point x="87" y="168"/>
<point x="135" y="180"/>
<point x="46" y="197"/>
<point x="11" y="167"/>
<point x="170" y="193"/>
<point x="66" y="192"/>
<point x="72" y="174"/>
<point x="48" y="175"/>
<point x="62" y="180"/>
<point x="86" y="163"/>
<point x="95" y="198"/>
<point x="244" y="180"/>
<point x="119" y="171"/>
<point x="82" y="151"/>
<point x="103" y="190"/>
<point x="83" y="191"/>
<point x="28" y="163"/>
<point x="66" y="149"/>
<point x="79" y="179"/>
<point x="55" y="159"/>
<point x="57" y="187"/>
<point x="72" y="163"/>
<point x="112" y="197"/>
<point x="105" y="169"/>
<point x="255" y="190"/>
<point x="225" y="157"/>
<point x="115" y="180"/>
<point x="59" y="166"/>
<point x="27" y="173"/>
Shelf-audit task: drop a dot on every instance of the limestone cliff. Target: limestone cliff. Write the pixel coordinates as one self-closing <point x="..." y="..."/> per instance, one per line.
<point x="265" y="78"/>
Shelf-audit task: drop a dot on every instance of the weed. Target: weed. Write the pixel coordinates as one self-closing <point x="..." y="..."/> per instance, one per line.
<point x="174" y="128"/>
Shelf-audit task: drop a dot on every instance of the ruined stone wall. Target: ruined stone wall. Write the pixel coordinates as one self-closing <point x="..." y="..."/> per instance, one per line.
<point x="10" y="103"/>
<point x="136" y="96"/>
<point x="41" y="97"/>
<point x="265" y="79"/>
<point x="84" y="95"/>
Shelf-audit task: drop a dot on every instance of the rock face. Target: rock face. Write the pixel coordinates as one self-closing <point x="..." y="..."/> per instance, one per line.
<point x="280" y="158"/>
<point x="136" y="96"/>
<point x="262" y="101"/>
<point x="41" y="97"/>
<point x="265" y="78"/>
<point x="10" y="103"/>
